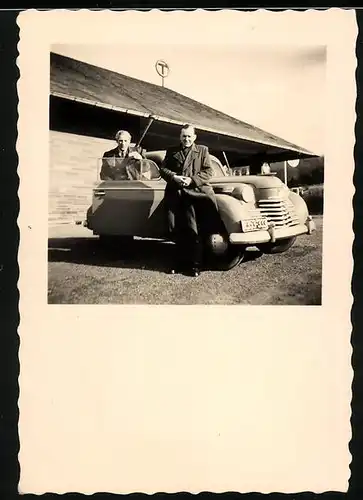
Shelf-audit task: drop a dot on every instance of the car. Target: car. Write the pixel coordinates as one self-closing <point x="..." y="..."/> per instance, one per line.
<point x="298" y="190"/>
<point x="256" y="211"/>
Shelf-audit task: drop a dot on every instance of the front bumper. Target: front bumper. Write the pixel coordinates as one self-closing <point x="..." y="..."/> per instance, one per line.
<point x="272" y="234"/>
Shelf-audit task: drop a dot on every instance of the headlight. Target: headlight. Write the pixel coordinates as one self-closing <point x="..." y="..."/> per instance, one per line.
<point x="285" y="193"/>
<point x="245" y="193"/>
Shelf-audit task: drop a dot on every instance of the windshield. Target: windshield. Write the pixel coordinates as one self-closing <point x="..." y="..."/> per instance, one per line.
<point x="128" y="169"/>
<point x="217" y="169"/>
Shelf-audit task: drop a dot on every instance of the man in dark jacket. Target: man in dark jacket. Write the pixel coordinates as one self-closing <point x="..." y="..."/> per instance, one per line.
<point x="116" y="162"/>
<point x="189" y="200"/>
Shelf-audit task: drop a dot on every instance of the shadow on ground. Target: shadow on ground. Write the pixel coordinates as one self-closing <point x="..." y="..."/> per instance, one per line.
<point x="155" y="255"/>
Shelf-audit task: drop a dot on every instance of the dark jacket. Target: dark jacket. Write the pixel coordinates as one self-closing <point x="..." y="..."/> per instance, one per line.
<point x="196" y="165"/>
<point x="114" y="170"/>
<point x="199" y="194"/>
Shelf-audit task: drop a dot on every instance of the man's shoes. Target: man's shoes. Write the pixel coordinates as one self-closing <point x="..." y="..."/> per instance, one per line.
<point x="194" y="272"/>
<point x="177" y="268"/>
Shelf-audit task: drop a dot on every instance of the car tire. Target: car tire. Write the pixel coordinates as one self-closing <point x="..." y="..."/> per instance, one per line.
<point x="277" y="247"/>
<point x="221" y="255"/>
<point x="233" y="256"/>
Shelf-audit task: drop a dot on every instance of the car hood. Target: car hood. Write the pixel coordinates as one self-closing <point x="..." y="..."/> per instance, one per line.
<point x="258" y="181"/>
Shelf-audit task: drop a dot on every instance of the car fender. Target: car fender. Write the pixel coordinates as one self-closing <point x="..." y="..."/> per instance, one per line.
<point x="89" y="215"/>
<point x="300" y="206"/>
<point x="232" y="211"/>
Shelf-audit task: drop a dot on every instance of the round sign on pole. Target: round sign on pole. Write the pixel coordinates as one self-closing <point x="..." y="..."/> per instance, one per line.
<point x="293" y="163"/>
<point x="162" y="69"/>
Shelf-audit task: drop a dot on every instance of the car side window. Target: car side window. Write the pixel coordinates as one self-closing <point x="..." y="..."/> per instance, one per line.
<point x="128" y="169"/>
<point x="217" y="170"/>
<point x="149" y="170"/>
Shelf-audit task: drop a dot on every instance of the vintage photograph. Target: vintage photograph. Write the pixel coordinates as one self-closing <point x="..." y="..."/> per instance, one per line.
<point x="173" y="165"/>
<point x="186" y="175"/>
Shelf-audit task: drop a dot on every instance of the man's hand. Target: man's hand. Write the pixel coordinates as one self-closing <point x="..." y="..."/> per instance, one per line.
<point x="182" y="180"/>
<point x="186" y="181"/>
<point x="135" y="155"/>
<point x="179" y="180"/>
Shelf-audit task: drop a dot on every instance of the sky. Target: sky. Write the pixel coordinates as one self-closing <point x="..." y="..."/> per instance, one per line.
<point x="280" y="89"/>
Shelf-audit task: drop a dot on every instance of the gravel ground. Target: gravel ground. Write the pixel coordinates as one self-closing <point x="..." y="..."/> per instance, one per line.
<point x="82" y="272"/>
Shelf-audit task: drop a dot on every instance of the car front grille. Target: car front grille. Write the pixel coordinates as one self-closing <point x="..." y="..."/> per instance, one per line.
<point x="280" y="212"/>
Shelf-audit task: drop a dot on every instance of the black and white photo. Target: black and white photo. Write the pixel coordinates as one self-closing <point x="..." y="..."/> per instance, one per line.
<point x="251" y="221"/>
<point x="185" y="254"/>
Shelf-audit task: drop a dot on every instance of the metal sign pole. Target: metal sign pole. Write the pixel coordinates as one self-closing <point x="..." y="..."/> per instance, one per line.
<point x="162" y="69"/>
<point x="291" y="163"/>
<point x="285" y="172"/>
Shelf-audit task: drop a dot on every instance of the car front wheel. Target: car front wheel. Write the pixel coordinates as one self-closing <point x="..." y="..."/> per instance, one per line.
<point x="221" y="255"/>
<point x="277" y="247"/>
<point x="230" y="259"/>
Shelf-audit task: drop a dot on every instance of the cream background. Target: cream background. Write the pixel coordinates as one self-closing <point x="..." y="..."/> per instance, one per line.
<point x="141" y="398"/>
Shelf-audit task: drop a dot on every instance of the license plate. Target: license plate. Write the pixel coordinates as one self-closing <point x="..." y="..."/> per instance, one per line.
<point x="254" y="225"/>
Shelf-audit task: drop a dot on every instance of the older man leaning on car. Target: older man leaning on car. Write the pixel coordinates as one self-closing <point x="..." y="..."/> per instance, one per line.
<point x="115" y="163"/>
<point x="189" y="200"/>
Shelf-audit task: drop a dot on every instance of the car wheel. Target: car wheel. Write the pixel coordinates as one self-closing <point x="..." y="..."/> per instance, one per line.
<point x="230" y="259"/>
<point x="221" y="255"/>
<point x="277" y="247"/>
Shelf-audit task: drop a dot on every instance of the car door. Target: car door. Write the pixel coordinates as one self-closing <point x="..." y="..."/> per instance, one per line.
<point x="132" y="205"/>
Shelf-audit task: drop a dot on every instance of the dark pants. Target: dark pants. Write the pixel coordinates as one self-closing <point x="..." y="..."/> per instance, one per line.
<point x="192" y="216"/>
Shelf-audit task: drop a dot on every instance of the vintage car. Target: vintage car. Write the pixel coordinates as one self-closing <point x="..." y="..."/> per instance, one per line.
<point x="256" y="210"/>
